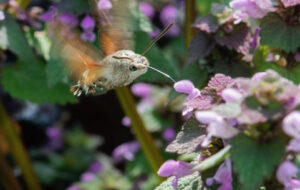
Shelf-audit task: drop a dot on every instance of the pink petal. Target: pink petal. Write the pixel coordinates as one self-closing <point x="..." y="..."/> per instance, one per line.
<point x="168" y="168"/>
<point x="231" y="95"/>
<point x="207" y="117"/>
<point x="184" y="86"/>
<point x="291" y="124"/>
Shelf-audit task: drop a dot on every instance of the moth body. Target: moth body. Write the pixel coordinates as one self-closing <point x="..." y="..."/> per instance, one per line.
<point x="116" y="70"/>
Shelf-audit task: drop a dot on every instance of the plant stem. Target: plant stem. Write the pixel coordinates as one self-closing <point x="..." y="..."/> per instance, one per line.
<point x="7" y="178"/>
<point x="18" y="151"/>
<point x="142" y="135"/>
<point x="190" y="14"/>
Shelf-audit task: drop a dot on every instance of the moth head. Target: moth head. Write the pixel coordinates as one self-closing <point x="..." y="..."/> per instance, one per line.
<point x="134" y="64"/>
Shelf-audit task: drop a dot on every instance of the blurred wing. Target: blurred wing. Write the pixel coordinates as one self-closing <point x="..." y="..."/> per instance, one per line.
<point x="76" y="55"/>
<point x="115" y="25"/>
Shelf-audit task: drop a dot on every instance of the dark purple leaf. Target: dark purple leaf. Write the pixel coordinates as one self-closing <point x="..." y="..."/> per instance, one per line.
<point x="200" y="46"/>
<point x="208" y="23"/>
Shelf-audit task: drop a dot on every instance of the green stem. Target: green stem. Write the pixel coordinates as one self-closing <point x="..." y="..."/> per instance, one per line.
<point x="7" y="177"/>
<point x="190" y="14"/>
<point x="18" y="151"/>
<point x="142" y="135"/>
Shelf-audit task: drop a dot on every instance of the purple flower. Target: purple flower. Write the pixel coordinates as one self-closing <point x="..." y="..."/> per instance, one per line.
<point x="289" y="3"/>
<point x="208" y="117"/>
<point x="223" y="176"/>
<point x="168" y="15"/>
<point x="68" y="19"/>
<point x="73" y="187"/>
<point x="88" y="36"/>
<point x="259" y="76"/>
<point x="187" y="87"/>
<point x="255" y="38"/>
<point x="88" y="23"/>
<point x="95" y="167"/>
<point x="291" y="124"/>
<point x="104" y="4"/>
<point x="49" y="15"/>
<point x="147" y="9"/>
<point x="87" y="176"/>
<point x="169" y="134"/>
<point x="125" y="151"/>
<point x="175" y="168"/>
<point x="142" y="90"/>
<point x="217" y="127"/>
<point x="2" y="16"/>
<point x="54" y="135"/>
<point x="285" y="173"/>
<point x="126" y="121"/>
<point x="294" y="145"/>
<point x="154" y="33"/>
<point x="253" y="8"/>
<point x="231" y="95"/>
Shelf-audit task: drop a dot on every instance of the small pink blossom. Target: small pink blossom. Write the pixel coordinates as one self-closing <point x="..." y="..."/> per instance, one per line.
<point x="208" y="117"/>
<point x="104" y="4"/>
<point x="169" y="134"/>
<point x="68" y="19"/>
<point x="95" y="167"/>
<point x="223" y="176"/>
<point x="147" y="9"/>
<point x="217" y="127"/>
<point x="289" y="3"/>
<point x="126" y="121"/>
<point x="125" y="151"/>
<point x="88" y="36"/>
<point x="73" y="187"/>
<point x="142" y="90"/>
<point x="187" y="87"/>
<point x="294" y="145"/>
<point x="285" y="175"/>
<point x="2" y="16"/>
<point x="253" y="8"/>
<point x="88" y="22"/>
<point x="87" y="176"/>
<point x="291" y="124"/>
<point x="175" y="168"/>
<point x="259" y="76"/>
<point x="231" y="95"/>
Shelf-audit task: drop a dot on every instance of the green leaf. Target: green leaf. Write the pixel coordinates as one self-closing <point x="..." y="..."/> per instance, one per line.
<point x="28" y="82"/>
<point x="200" y="46"/>
<point x="137" y="167"/>
<point x="190" y="182"/>
<point x="213" y="160"/>
<point x="275" y="32"/>
<point x="13" y="38"/>
<point x="254" y="161"/>
<point x="196" y="74"/>
<point x="156" y="59"/>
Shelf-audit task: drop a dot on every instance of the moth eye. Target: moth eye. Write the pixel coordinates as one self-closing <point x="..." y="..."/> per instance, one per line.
<point x="132" y="68"/>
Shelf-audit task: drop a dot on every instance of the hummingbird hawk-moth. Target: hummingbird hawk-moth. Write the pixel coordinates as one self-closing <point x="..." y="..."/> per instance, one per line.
<point x="97" y="72"/>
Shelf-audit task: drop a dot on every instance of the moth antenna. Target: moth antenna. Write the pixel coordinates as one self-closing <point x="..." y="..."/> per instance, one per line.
<point x="157" y="38"/>
<point x="165" y="74"/>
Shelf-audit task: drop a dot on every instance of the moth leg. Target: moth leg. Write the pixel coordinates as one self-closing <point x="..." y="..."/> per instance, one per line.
<point x="76" y="89"/>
